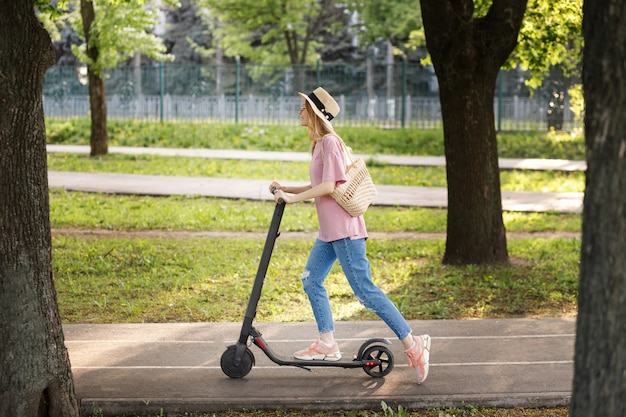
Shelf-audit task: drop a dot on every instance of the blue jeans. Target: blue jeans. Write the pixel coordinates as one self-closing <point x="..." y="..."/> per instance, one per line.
<point x="356" y="267"/>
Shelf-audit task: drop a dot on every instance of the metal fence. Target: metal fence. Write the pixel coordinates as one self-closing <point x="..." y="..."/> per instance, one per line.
<point x="399" y="95"/>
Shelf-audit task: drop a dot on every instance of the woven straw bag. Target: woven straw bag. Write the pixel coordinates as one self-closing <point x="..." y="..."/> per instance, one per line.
<point x="356" y="194"/>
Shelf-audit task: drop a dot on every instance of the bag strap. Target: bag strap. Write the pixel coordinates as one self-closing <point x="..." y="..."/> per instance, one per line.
<point x="347" y="152"/>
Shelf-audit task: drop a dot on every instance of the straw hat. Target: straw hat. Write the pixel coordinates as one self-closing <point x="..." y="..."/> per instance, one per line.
<point x="323" y="104"/>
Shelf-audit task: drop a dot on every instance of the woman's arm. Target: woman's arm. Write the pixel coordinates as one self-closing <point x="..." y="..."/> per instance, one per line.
<point x="296" y="194"/>
<point x="296" y="189"/>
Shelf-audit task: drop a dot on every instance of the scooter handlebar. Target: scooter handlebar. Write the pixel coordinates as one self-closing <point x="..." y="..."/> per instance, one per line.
<point x="280" y="200"/>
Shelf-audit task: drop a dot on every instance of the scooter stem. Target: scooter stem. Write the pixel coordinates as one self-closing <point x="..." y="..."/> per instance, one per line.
<point x="257" y="287"/>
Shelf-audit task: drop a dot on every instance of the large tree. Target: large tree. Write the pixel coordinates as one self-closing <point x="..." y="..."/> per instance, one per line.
<point x="35" y="375"/>
<point x="467" y="52"/>
<point x="600" y="359"/>
<point x="462" y="35"/>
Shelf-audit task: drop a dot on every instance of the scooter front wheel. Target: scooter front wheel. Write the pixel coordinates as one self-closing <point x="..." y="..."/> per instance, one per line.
<point x="381" y="360"/>
<point x="228" y="362"/>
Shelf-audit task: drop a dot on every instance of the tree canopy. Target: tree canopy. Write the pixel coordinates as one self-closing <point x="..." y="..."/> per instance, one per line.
<point x="392" y="20"/>
<point x="551" y="34"/>
<point x="120" y="30"/>
<point x="274" y="31"/>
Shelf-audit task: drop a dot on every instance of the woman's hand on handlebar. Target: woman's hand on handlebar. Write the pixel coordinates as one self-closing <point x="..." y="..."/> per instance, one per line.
<point x="280" y="196"/>
<point x="275" y="186"/>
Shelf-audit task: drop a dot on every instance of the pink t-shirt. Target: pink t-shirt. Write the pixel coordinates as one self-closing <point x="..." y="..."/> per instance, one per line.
<point x="335" y="222"/>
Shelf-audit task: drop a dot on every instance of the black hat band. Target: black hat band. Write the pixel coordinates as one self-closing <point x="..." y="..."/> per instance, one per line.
<point x="321" y="107"/>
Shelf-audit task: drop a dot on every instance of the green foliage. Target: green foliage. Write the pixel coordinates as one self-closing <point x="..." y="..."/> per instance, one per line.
<point x="389" y="412"/>
<point x="48" y="13"/>
<point x="120" y="30"/>
<point x="390" y="20"/>
<point x="50" y="9"/>
<point x="267" y="31"/>
<point x="466" y="411"/>
<point x="550" y="35"/>
<point x="577" y="101"/>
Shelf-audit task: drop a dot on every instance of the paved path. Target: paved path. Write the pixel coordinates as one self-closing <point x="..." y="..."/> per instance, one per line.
<point x="146" y="368"/>
<point x="174" y="368"/>
<point x="533" y="164"/>
<point x="257" y="189"/>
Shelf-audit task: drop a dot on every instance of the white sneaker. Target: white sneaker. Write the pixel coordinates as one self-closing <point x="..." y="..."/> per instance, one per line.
<point x="419" y="356"/>
<point x="318" y="351"/>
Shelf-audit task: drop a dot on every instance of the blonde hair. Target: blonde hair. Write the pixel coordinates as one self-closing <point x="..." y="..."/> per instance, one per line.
<point x="317" y="127"/>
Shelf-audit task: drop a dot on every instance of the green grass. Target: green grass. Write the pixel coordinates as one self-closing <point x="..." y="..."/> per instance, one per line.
<point x="367" y="140"/>
<point x="178" y="277"/>
<point x="131" y="212"/>
<point x="165" y="279"/>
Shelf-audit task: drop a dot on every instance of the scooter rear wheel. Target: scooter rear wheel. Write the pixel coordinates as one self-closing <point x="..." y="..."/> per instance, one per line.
<point x="382" y="356"/>
<point x="228" y="365"/>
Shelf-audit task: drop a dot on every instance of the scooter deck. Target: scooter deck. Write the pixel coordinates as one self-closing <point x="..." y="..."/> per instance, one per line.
<point x="357" y="362"/>
<point x="300" y="363"/>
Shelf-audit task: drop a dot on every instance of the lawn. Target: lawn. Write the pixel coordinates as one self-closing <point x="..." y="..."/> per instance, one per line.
<point x="123" y="259"/>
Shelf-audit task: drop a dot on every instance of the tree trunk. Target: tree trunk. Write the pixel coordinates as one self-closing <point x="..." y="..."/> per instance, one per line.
<point x="600" y="358"/>
<point x="467" y="54"/>
<point x="475" y="229"/>
<point x="97" y="102"/>
<point x="35" y="375"/>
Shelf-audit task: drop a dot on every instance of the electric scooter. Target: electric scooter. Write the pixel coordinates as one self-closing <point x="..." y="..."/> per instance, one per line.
<point x="237" y="361"/>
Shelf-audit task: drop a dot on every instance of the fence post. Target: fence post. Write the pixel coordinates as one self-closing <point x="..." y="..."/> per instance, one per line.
<point x="318" y="75"/>
<point x="161" y="92"/>
<point x="404" y="63"/>
<point x="499" y="128"/>
<point x="237" y="69"/>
